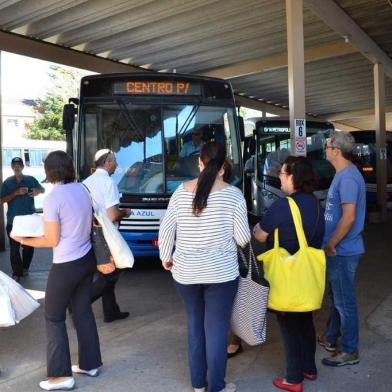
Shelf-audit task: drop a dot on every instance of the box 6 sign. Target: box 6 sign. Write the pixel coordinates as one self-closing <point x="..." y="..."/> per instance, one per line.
<point x="300" y="137"/>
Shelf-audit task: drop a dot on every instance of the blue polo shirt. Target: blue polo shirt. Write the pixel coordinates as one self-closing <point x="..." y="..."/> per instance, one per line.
<point x="22" y="204"/>
<point x="279" y="217"/>
<point x="348" y="186"/>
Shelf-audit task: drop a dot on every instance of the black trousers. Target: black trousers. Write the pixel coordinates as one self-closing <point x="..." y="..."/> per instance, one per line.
<point x="299" y="338"/>
<point x="103" y="286"/>
<point x="19" y="263"/>
<point x="71" y="283"/>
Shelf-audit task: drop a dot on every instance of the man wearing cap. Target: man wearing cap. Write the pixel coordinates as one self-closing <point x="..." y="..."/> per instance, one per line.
<point x="105" y="192"/>
<point x="18" y="191"/>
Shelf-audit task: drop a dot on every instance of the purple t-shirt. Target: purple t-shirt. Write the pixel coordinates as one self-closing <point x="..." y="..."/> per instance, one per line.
<point x="69" y="205"/>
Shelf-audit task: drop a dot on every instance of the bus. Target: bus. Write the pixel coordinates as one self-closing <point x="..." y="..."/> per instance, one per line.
<point x="149" y="120"/>
<point x="266" y="149"/>
<point x="365" y="157"/>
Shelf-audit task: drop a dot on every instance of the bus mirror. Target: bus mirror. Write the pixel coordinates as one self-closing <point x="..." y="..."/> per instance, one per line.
<point x="241" y="128"/>
<point x="69" y="112"/>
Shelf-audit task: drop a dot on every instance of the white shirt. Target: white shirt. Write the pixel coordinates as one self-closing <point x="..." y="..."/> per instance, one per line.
<point x="103" y="188"/>
<point x="205" y="246"/>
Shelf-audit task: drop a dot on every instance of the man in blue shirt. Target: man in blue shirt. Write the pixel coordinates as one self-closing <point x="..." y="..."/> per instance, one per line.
<point x="344" y="220"/>
<point x="194" y="146"/>
<point x="18" y="191"/>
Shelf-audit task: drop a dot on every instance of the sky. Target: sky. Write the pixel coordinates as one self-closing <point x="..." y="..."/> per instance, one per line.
<point x="24" y="77"/>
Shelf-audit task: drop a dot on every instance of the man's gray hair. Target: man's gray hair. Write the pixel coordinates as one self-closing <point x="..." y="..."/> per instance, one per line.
<point x="344" y="141"/>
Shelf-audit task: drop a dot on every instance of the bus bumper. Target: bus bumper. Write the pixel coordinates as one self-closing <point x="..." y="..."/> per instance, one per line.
<point x="142" y="244"/>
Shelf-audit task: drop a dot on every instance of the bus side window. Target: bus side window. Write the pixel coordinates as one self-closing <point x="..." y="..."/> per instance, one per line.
<point x="26" y="157"/>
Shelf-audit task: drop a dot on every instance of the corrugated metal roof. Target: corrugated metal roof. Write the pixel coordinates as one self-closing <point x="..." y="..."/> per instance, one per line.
<point x="196" y="36"/>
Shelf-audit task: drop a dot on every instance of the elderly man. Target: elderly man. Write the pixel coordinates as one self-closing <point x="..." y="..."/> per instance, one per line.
<point x="105" y="192"/>
<point x="344" y="220"/>
<point x="18" y="191"/>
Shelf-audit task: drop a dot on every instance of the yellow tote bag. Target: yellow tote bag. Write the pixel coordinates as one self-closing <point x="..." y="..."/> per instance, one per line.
<point x="297" y="281"/>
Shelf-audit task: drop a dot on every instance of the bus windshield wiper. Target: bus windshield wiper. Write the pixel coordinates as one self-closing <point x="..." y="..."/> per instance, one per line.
<point x="131" y="121"/>
<point x="189" y="119"/>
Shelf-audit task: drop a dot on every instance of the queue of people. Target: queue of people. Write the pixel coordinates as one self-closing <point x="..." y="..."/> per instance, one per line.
<point x="205" y="222"/>
<point x="207" y="217"/>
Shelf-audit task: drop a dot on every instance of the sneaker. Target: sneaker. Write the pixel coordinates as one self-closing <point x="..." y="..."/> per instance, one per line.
<point x="341" y="359"/>
<point x="322" y="341"/>
<point x="230" y="387"/>
<point x="91" y="373"/>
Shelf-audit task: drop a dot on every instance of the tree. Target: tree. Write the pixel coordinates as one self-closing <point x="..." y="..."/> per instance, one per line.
<point x="48" y="122"/>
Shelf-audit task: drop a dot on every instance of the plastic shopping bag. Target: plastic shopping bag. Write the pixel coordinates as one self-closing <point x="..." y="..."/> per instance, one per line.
<point x="7" y="315"/>
<point x="119" y="249"/>
<point x="22" y="303"/>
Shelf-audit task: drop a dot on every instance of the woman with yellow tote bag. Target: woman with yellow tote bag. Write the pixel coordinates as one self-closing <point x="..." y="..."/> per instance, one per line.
<point x="294" y="265"/>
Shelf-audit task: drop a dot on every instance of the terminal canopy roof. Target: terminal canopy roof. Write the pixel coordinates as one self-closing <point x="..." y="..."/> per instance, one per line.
<point x="242" y="41"/>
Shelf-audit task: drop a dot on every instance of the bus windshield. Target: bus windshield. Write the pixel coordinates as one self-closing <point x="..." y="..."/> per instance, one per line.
<point x="365" y="154"/>
<point x="273" y="147"/>
<point x="156" y="145"/>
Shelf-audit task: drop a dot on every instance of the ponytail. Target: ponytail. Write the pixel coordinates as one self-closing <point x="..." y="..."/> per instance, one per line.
<point x="213" y="157"/>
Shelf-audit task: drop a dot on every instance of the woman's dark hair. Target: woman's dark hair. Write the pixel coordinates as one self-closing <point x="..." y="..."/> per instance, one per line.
<point x="213" y="156"/>
<point x="304" y="178"/>
<point x="59" y="168"/>
<point x="228" y="170"/>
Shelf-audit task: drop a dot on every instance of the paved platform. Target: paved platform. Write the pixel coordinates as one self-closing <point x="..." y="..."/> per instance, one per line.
<point x="147" y="352"/>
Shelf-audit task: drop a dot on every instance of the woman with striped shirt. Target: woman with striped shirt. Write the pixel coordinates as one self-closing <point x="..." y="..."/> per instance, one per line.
<point x="205" y="221"/>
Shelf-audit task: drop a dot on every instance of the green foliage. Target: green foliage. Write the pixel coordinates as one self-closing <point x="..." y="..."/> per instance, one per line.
<point x="48" y="123"/>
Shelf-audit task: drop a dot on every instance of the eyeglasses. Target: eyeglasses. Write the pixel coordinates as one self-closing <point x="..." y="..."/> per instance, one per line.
<point x="331" y="147"/>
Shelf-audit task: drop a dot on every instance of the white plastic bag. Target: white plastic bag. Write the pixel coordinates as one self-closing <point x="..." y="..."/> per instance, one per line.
<point x="119" y="249"/>
<point x="28" y="226"/>
<point x="21" y="302"/>
<point x="7" y="315"/>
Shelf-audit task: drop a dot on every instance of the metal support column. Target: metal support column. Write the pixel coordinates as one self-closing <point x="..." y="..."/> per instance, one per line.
<point x="296" y="74"/>
<point x="381" y="166"/>
<point x="2" y="226"/>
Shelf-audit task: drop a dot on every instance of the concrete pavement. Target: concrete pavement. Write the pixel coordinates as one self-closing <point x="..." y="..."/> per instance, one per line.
<point x="147" y="352"/>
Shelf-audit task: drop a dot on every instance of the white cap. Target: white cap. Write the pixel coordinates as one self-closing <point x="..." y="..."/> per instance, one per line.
<point x="101" y="153"/>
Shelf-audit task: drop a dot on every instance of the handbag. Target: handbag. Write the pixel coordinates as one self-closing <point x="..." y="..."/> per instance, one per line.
<point x="119" y="249"/>
<point x="297" y="282"/>
<point x="248" y="319"/>
<point x="105" y="262"/>
<point x="28" y="226"/>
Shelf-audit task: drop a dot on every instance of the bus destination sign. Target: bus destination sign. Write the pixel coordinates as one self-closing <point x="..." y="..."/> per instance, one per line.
<point x="162" y="87"/>
<point x="276" y="130"/>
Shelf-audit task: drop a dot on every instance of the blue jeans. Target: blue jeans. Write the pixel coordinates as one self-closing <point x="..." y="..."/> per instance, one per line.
<point x="343" y="319"/>
<point x="208" y="308"/>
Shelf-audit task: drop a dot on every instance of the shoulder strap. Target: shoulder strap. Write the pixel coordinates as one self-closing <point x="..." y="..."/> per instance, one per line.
<point x="296" y="214"/>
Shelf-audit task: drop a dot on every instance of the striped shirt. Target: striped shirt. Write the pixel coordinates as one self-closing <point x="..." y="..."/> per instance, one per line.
<point x="205" y="246"/>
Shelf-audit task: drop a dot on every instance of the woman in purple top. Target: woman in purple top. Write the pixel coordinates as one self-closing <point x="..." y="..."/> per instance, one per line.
<point x="67" y="220"/>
